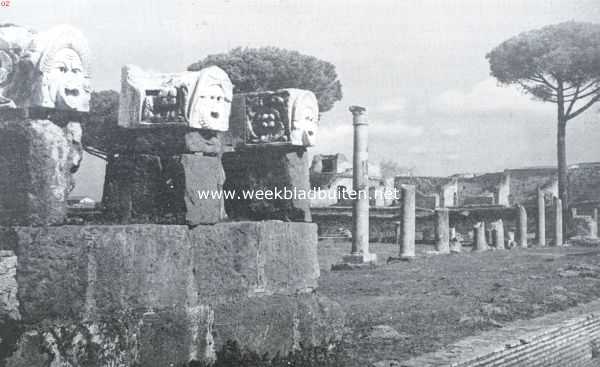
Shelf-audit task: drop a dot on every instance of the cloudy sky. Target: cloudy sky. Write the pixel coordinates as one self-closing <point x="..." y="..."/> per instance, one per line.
<point x="417" y="65"/>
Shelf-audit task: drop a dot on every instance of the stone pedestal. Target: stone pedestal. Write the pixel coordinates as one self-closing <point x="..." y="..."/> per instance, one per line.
<point x="479" y="243"/>
<point x="179" y="189"/>
<point x="541" y="219"/>
<point x="277" y="177"/>
<point x="37" y="162"/>
<point x="498" y="234"/>
<point x="558" y="222"/>
<point x="442" y="231"/>
<point x="521" y="226"/>
<point x="161" y="295"/>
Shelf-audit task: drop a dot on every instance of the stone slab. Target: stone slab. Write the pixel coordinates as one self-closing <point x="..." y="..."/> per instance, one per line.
<point x="166" y="140"/>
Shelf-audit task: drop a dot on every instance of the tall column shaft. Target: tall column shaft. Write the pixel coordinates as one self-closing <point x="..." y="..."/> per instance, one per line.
<point x="407" y="243"/>
<point x="558" y="222"/>
<point x="541" y="222"/>
<point x="360" y="182"/>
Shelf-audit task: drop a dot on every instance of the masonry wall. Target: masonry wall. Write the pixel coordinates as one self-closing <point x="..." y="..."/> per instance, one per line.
<point x="524" y="184"/>
<point x="584" y="183"/>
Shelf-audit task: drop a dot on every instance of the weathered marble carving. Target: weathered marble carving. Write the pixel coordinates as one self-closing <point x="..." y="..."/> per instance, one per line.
<point x="285" y="116"/>
<point x="200" y="99"/>
<point x="48" y="69"/>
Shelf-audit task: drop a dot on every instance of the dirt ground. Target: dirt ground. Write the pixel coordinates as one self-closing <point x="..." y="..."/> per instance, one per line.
<point x="400" y="310"/>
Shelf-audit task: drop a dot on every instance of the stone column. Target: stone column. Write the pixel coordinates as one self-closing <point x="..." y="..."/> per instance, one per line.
<point x="595" y="215"/>
<point x="558" y="222"/>
<point x="360" y="181"/>
<point x="479" y="243"/>
<point x="521" y="226"/>
<point x="407" y="241"/>
<point x="498" y="234"/>
<point x="442" y="231"/>
<point x="541" y="222"/>
<point x="452" y="233"/>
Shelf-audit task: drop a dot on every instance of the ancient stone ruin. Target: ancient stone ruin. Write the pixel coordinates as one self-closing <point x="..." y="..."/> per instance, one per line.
<point x="44" y="89"/>
<point x="164" y="278"/>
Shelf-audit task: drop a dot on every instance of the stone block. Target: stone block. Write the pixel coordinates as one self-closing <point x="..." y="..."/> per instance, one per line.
<point x="144" y="188"/>
<point x="274" y="170"/>
<point x="37" y="161"/>
<point x="197" y="99"/>
<point x="255" y="258"/>
<point x="153" y="295"/>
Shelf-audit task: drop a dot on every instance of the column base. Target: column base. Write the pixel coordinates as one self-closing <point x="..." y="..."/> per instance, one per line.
<point x="356" y="261"/>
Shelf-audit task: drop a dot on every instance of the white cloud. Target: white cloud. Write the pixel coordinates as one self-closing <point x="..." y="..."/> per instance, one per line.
<point x="391" y="105"/>
<point x="400" y="129"/>
<point x="487" y="97"/>
<point x="451" y="131"/>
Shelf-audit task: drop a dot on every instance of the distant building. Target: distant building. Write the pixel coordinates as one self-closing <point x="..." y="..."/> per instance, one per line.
<point x="81" y="202"/>
<point x="331" y="174"/>
<point x="512" y="186"/>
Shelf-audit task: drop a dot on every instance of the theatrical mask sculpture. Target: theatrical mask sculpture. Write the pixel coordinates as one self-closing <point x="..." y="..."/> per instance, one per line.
<point x="286" y="116"/>
<point x="197" y="99"/>
<point x="48" y="69"/>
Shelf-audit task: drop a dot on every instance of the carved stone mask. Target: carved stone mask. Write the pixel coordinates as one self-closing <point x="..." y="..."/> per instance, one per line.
<point x="65" y="84"/>
<point x="211" y="102"/>
<point x="304" y="118"/>
<point x="46" y="69"/>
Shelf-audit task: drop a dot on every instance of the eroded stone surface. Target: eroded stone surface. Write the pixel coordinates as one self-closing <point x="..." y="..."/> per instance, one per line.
<point x="268" y="171"/>
<point x="37" y="161"/>
<point x="147" y="188"/>
<point x="9" y="304"/>
<point x="153" y="295"/>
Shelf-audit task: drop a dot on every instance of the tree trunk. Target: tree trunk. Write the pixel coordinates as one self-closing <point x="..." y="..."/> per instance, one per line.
<point x="561" y="152"/>
<point x="562" y="170"/>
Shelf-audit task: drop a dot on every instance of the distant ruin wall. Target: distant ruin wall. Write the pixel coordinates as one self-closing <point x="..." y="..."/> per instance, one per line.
<point x="584" y="184"/>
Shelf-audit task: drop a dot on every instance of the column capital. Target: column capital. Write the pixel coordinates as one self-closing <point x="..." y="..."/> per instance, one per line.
<point x="359" y="115"/>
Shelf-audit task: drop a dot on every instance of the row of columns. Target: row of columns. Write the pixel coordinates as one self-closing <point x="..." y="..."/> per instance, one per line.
<point x="405" y="229"/>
